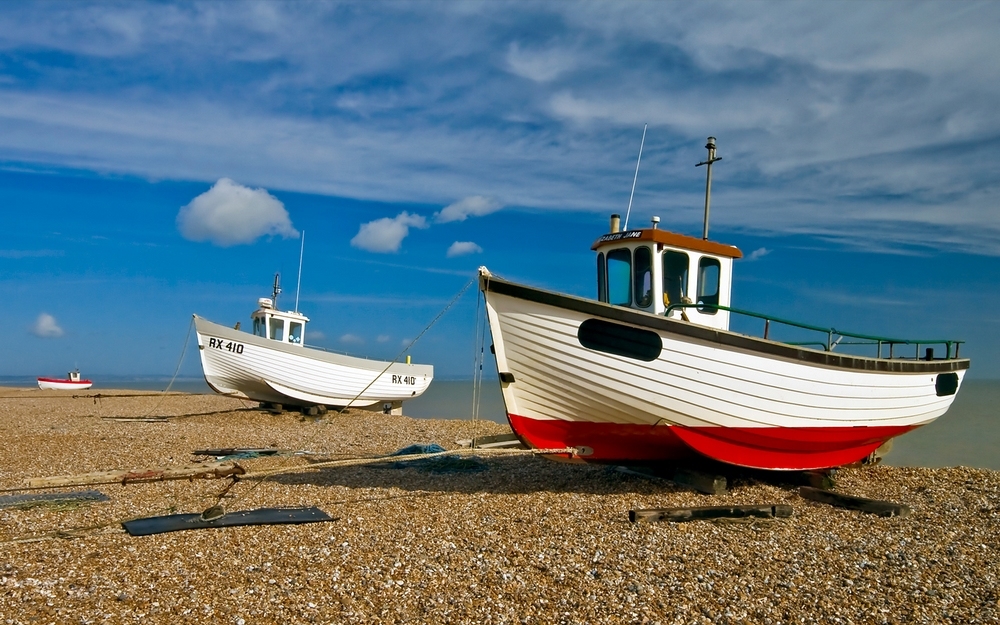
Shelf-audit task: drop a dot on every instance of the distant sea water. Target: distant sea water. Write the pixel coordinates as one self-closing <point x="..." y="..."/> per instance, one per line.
<point x="967" y="435"/>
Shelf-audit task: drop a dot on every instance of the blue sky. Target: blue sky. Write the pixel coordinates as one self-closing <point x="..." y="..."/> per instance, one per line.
<point x="158" y="160"/>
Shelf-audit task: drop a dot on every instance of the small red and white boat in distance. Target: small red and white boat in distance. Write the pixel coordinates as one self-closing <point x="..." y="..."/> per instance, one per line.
<point x="73" y="382"/>
<point x="650" y="371"/>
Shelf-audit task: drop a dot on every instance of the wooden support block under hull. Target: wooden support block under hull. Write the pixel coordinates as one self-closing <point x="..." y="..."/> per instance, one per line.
<point x="680" y="515"/>
<point x="872" y="506"/>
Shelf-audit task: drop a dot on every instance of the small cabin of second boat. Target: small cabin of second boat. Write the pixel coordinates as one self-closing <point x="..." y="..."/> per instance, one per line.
<point x="282" y="326"/>
<point x="651" y="269"/>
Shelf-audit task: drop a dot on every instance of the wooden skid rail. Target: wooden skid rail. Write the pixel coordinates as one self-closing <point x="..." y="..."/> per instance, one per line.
<point x="872" y="506"/>
<point x="680" y="515"/>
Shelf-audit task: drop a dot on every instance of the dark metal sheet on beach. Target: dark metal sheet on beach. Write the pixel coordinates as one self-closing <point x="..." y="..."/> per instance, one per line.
<point x="40" y="499"/>
<point x="262" y="516"/>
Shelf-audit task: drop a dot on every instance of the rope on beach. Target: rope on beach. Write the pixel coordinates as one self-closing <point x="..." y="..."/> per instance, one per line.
<point x="261" y="476"/>
<point x="433" y="321"/>
<point x="356" y="462"/>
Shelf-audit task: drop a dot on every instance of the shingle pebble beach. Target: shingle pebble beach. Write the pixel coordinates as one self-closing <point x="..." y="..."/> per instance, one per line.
<point x="501" y="539"/>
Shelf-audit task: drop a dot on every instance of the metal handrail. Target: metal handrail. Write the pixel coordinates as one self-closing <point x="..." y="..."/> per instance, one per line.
<point x="830" y="344"/>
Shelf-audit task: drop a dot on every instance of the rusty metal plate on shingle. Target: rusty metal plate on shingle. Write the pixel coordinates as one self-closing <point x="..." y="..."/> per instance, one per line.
<point x="262" y="516"/>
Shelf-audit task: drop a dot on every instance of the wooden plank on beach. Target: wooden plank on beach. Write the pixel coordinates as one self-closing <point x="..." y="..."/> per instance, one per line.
<point x="871" y="506"/>
<point x="205" y="471"/>
<point x="680" y="515"/>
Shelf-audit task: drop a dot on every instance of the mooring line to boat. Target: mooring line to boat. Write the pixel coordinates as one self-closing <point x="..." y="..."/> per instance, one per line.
<point x="479" y="341"/>
<point x="163" y="394"/>
<point x="433" y="321"/>
<point x="262" y="476"/>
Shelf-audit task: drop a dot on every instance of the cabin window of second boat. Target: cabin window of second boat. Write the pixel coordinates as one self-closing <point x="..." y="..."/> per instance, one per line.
<point x="295" y="333"/>
<point x="277" y="329"/>
<point x="620" y="277"/>
<point x="709" y="270"/>
<point x="259" y="327"/>
<point x="675" y="277"/>
<point x="643" y="277"/>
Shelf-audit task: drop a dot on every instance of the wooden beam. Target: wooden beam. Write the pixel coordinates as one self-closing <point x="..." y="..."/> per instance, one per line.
<point x="680" y="515"/>
<point x="872" y="506"/>
<point x="206" y="471"/>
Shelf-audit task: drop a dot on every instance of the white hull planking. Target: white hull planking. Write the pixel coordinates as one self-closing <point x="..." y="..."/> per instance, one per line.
<point x="269" y="371"/>
<point x="692" y="383"/>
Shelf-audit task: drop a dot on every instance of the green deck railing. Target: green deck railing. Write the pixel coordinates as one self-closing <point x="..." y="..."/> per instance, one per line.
<point x="831" y="343"/>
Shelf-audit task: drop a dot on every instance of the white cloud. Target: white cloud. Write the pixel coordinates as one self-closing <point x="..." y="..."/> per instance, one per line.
<point x="351" y="339"/>
<point x="230" y="214"/>
<point x="472" y="206"/>
<point x="760" y="252"/>
<point x="46" y="327"/>
<point x="539" y="66"/>
<point x="461" y="248"/>
<point x="316" y="335"/>
<point x="386" y="235"/>
<point x="383" y="338"/>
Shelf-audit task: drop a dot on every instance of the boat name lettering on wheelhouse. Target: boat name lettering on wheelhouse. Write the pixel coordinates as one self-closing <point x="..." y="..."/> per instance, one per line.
<point x="230" y="346"/>
<point x="618" y="236"/>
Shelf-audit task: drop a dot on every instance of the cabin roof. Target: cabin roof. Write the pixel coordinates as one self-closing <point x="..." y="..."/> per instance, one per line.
<point x="668" y="238"/>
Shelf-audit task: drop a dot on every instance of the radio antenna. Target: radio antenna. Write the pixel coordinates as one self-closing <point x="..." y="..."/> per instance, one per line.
<point x="636" y="177"/>
<point x="708" y="180"/>
<point x="298" y="285"/>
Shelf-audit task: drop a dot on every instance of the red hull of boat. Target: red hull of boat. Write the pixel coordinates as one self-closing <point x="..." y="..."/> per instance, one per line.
<point x="759" y="448"/>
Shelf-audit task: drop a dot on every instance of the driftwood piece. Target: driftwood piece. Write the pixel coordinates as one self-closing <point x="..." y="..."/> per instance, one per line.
<point x="38" y="499"/>
<point x="207" y="471"/>
<point x="680" y="515"/>
<point x="232" y="451"/>
<point x="872" y="506"/>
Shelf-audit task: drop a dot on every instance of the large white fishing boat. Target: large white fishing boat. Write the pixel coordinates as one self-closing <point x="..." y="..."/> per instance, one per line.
<point x="650" y="371"/>
<point x="273" y="365"/>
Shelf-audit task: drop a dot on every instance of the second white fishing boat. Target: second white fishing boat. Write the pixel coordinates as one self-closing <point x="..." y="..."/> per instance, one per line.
<point x="273" y="365"/>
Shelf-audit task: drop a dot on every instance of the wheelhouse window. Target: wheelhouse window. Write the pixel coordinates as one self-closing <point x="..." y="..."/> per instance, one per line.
<point x="620" y="277"/>
<point x="295" y="332"/>
<point x="277" y="329"/>
<point x="643" y="277"/>
<point x="675" y="277"/>
<point x="259" y="327"/>
<point x="708" y="284"/>
<point x="602" y="279"/>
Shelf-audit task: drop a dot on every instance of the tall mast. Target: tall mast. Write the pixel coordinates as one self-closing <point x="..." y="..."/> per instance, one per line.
<point x="298" y="285"/>
<point x="708" y="181"/>
<point x="276" y="290"/>
<point x="636" y="177"/>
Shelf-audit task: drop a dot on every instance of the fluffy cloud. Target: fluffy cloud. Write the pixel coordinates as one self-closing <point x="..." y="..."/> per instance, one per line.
<point x="539" y="66"/>
<point x="758" y="253"/>
<point x="472" y="206"/>
<point x="461" y="248"/>
<point x="231" y="214"/>
<point x="386" y="235"/>
<point x="351" y="339"/>
<point x="46" y="327"/>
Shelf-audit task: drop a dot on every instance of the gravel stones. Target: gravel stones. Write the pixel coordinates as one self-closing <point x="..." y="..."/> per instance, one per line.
<point x="525" y="541"/>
